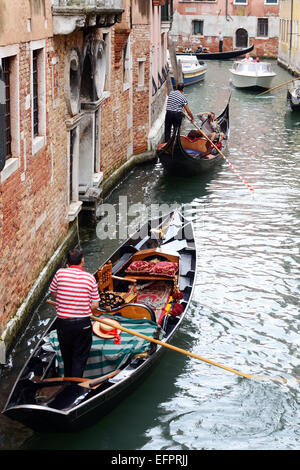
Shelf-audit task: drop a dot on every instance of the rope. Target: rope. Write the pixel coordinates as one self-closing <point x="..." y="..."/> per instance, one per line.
<point x="225" y="158"/>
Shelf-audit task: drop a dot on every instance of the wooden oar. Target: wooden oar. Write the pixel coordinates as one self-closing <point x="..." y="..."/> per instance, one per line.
<point x="187" y="353"/>
<point x="221" y="153"/>
<point x="83" y="382"/>
<point x="183" y="351"/>
<point x="270" y="89"/>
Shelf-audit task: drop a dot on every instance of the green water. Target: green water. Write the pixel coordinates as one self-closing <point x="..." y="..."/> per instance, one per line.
<point x="245" y="308"/>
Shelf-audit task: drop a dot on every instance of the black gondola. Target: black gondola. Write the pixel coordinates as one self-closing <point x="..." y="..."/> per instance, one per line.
<point x="43" y="401"/>
<point x="178" y="160"/>
<point x="220" y="55"/>
<point x="293" y="97"/>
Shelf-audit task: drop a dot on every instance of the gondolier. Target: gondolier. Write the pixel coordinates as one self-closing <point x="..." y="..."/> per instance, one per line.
<point x="76" y="294"/>
<point x="175" y="104"/>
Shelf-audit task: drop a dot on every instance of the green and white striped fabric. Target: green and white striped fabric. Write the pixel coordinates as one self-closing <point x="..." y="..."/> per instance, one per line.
<point x="106" y="356"/>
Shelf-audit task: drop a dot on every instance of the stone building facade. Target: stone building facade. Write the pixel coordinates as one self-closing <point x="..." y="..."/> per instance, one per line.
<point x="242" y="22"/>
<point x="289" y="35"/>
<point x="79" y="98"/>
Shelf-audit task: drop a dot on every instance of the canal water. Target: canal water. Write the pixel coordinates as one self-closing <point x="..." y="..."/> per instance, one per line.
<point x="245" y="309"/>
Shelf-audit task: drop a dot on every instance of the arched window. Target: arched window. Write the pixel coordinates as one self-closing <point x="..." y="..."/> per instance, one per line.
<point x="241" y="38"/>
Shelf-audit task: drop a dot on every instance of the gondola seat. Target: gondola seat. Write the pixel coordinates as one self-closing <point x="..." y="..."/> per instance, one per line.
<point x="165" y="265"/>
<point x="199" y="144"/>
<point x="106" y="283"/>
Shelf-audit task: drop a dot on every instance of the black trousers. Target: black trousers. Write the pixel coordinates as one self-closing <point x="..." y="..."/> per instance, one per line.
<point x="75" y="341"/>
<point x="220" y="46"/>
<point x="172" y="119"/>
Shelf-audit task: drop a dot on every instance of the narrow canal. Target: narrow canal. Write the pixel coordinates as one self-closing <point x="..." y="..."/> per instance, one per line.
<point x="245" y="309"/>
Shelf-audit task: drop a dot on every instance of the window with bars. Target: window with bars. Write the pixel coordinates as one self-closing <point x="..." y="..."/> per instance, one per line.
<point x="262" y="27"/>
<point x="35" y="90"/>
<point x="7" y="106"/>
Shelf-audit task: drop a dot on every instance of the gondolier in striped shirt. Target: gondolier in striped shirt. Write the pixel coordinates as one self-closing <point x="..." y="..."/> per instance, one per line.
<point x="76" y="294"/>
<point x="175" y="104"/>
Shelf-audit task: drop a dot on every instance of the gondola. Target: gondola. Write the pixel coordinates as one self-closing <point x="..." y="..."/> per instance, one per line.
<point x="43" y="400"/>
<point x="221" y="55"/>
<point x="178" y="160"/>
<point x="293" y="96"/>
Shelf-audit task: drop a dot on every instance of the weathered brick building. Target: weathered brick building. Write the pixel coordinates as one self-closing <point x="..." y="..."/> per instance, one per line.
<point x="242" y="22"/>
<point x="82" y="91"/>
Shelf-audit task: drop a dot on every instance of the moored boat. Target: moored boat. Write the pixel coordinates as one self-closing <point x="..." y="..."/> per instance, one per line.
<point x="178" y="155"/>
<point x="193" y="71"/>
<point x="251" y="74"/>
<point x="293" y="96"/>
<point x="159" y="262"/>
<point x="222" y="55"/>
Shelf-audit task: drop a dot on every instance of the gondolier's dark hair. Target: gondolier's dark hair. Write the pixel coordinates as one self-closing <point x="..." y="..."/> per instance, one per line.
<point x="74" y="257"/>
<point x="180" y="86"/>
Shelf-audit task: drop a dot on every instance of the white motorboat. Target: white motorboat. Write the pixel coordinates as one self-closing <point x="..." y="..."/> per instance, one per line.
<point x="248" y="74"/>
<point x="193" y="70"/>
<point x="293" y="96"/>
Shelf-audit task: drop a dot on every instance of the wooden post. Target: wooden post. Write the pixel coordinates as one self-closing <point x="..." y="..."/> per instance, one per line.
<point x="177" y="70"/>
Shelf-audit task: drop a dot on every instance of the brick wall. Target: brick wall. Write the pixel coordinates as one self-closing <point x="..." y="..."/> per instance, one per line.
<point x="33" y="199"/>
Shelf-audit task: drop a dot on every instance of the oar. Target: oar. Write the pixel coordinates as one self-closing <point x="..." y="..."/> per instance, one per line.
<point x="83" y="382"/>
<point x="270" y="89"/>
<point x="222" y="154"/>
<point x="183" y="351"/>
<point x="187" y="353"/>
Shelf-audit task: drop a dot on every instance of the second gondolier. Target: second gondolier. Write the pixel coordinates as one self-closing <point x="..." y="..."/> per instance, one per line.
<point x="175" y="104"/>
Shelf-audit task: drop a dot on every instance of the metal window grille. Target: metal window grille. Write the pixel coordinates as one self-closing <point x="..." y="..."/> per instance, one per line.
<point x="7" y="115"/>
<point x="262" y="27"/>
<point x="35" y="93"/>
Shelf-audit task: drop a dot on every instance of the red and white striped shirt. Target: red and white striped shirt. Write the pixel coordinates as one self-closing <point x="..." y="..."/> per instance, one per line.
<point x="75" y="289"/>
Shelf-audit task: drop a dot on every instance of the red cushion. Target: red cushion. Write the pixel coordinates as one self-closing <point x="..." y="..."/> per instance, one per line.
<point x="166" y="268"/>
<point x="139" y="267"/>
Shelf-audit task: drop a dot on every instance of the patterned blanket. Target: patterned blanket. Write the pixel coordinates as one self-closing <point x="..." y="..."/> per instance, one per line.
<point x="105" y="355"/>
<point x="156" y="295"/>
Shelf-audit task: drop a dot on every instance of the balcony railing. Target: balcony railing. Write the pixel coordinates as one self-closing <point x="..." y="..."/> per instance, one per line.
<point x="69" y="15"/>
<point x="106" y="4"/>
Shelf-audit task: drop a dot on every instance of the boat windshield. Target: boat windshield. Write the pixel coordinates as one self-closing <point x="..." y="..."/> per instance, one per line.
<point x="252" y="67"/>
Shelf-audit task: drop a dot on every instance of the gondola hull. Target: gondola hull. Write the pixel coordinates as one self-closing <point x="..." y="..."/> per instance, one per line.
<point x="293" y="100"/>
<point x="75" y="407"/>
<point x="221" y="55"/>
<point x="177" y="160"/>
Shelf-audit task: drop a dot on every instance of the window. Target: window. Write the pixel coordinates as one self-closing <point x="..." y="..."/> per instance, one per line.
<point x="240" y="2"/>
<point x="198" y="27"/>
<point x="262" y="27"/>
<point x="35" y="89"/>
<point x="274" y="2"/>
<point x="141" y="73"/>
<point x="38" y="95"/>
<point x="10" y="107"/>
<point x="7" y="116"/>
<point x="126" y="63"/>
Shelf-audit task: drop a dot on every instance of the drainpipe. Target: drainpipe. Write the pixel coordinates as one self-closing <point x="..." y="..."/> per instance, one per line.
<point x="226" y="10"/>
